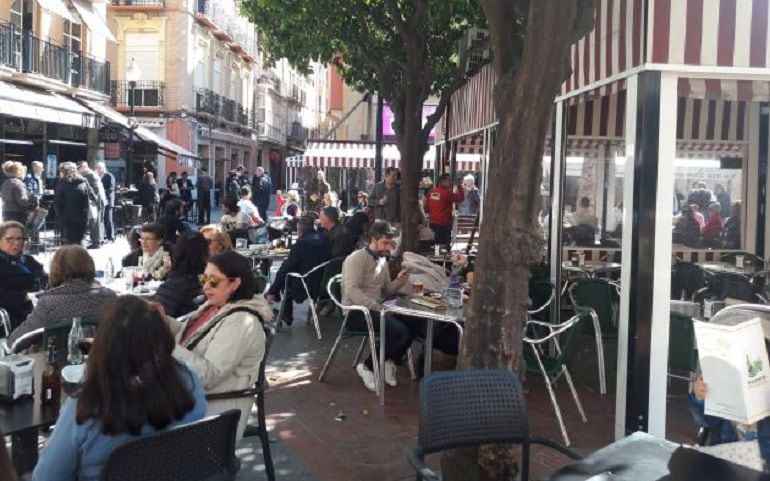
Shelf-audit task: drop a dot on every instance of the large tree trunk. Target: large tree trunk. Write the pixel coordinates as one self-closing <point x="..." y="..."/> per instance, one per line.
<point x="511" y="239"/>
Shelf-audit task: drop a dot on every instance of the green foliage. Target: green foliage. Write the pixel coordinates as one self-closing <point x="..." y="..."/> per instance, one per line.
<point x="376" y="44"/>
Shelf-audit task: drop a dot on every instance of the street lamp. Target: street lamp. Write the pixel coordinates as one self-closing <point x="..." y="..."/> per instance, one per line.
<point x="133" y="72"/>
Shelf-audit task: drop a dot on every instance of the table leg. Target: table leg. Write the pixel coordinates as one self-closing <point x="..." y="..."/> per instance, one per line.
<point x="24" y="450"/>
<point x="428" y="362"/>
<point x="381" y="380"/>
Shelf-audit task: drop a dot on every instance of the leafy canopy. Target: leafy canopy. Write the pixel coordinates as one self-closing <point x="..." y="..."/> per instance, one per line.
<point x="376" y="44"/>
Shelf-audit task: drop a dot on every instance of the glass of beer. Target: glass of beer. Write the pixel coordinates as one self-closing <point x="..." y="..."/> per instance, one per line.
<point x="417" y="288"/>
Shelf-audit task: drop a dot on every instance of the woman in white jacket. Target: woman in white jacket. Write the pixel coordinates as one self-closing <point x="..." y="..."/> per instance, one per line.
<point x="224" y="340"/>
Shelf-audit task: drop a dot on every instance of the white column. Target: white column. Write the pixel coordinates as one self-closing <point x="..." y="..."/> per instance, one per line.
<point x="557" y="193"/>
<point x="661" y="305"/>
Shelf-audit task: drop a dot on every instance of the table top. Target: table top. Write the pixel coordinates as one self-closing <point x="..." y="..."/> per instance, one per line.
<point x="29" y="413"/>
<point x="730" y="268"/>
<point x="592" y="266"/>
<point x="643" y="457"/>
<point x="402" y="305"/>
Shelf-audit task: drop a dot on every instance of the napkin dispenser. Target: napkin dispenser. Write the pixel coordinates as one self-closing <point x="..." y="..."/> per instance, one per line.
<point x="16" y="377"/>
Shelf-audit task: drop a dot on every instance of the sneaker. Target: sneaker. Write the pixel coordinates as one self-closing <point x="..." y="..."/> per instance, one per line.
<point x="367" y="376"/>
<point x="390" y="373"/>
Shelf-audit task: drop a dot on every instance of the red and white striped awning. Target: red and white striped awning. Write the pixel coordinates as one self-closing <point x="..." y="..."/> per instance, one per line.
<point x="355" y="155"/>
<point x="295" y="161"/>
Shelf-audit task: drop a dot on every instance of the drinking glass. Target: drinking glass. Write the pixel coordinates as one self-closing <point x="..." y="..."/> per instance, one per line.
<point x="128" y="276"/>
<point x="87" y="334"/>
<point x="453" y="297"/>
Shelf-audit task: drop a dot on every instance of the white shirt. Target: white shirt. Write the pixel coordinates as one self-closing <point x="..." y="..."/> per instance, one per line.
<point x="248" y="208"/>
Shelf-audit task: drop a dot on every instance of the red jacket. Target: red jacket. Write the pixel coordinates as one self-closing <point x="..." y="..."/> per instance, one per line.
<point x="438" y="205"/>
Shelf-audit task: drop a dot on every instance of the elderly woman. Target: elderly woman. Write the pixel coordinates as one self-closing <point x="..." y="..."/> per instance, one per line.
<point x="71" y="202"/>
<point x="73" y="293"/>
<point x="224" y="340"/>
<point x="134" y="387"/>
<point x="181" y="288"/>
<point x="291" y="207"/>
<point x="18" y="203"/>
<point x="217" y="240"/>
<point x="19" y="273"/>
<point x="151" y="257"/>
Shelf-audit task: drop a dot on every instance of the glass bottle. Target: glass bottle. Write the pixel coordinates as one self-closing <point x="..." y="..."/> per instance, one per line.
<point x="51" y="386"/>
<point x="74" y="356"/>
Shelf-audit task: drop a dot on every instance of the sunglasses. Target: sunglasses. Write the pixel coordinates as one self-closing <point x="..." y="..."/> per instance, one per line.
<point x="213" y="281"/>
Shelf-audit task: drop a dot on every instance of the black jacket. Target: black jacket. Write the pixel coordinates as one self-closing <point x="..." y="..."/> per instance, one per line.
<point x="172" y="226"/>
<point x="108" y="182"/>
<point x="18" y="276"/>
<point x="260" y="191"/>
<point x="177" y="295"/>
<point x="147" y="195"/>
<point x="71" y="199"/>
<point x="312" y="249"/>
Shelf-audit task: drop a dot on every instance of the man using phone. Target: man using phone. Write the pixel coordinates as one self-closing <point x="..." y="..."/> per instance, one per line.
<point x="366" y="282"/>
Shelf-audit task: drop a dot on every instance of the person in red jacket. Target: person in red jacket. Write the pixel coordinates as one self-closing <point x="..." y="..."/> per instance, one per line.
<point x="438" y="204"/>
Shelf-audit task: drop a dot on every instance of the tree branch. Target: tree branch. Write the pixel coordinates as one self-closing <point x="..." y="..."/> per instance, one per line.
<point x="398" y="19"/>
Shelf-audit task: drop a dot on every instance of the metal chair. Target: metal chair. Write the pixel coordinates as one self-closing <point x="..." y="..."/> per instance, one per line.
<point x="304" y="279"/>
<point x="334" y="287"/>
<point x="258" y="393"/>
<point x="200" y="451"/>
<point x="541" y="295"/>
<point x="470" y="408"/>
<point x="331" y="269"/>
<point x="5" y="323"/>
<point x="58" y="330"/>
<point x="553" y="367"/>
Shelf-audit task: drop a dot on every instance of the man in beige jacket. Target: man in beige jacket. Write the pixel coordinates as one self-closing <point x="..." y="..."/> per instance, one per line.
<point x="366" y="282"/>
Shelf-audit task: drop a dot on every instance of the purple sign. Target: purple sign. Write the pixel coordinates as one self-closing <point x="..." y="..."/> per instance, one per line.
<point x="387" y="121"/>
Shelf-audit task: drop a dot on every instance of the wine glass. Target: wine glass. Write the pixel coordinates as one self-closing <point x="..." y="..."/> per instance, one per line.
<point x="128" y="274"/>
<point x="86" y="340"/>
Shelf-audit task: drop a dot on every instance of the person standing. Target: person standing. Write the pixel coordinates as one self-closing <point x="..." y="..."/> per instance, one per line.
<point x="386" y="198"/>
<point x="96" y="211"/>
<point x="17" y="201"/>
<point x="108" y="182"/>
<point x="438" y="203"/>
<point x="316" y="197"/>
<point x="261" y="187"/>
<point x="72" y="201"/>
<point x="148" y="197"/>
<point x="34" y="179"/>
<point x="185" y="192"/>
<point x="204" y="184"/>
<point x="470" y="204"/>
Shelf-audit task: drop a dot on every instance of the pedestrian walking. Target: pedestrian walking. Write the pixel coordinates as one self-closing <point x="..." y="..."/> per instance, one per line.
<point x="204" y="184"/>
<point x="261" y="187"/>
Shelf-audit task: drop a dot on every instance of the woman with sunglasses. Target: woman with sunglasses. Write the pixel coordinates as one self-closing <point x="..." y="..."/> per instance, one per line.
<point x="224" y="340"/>
<point x="133" y="387"/>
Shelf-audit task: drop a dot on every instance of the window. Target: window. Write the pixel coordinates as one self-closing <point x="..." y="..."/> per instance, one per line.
<point x="216" y="77"/>
<point x="73" y="37"/>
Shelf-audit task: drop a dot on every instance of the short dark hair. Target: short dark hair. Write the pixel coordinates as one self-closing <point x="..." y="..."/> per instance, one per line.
<point x="306" y="223"/>
<point x="390" y="170"/>
<point x="332" y="213"/>
<point x="381" y="228"/>
<point x="234" y="265"/>
<point x="444" y="177"/>
<point x="190" y="254"/>
<point x="155" y="229"/>
<point x="231" y="204"/>
<point x="245" y="190"/>
<point x="132" y="379"/>
<point x="173" y="207"/>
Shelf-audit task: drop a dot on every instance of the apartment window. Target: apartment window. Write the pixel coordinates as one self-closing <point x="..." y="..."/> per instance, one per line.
<point x="216" y="77"/>
<point x="145" y="47"/>
<point x="73" y="36"/>
<point x="16" y="13"/>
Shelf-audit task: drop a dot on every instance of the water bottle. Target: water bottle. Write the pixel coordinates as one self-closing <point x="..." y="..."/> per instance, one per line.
<point x="74" y="356"/>
<point x="109" y="271"/>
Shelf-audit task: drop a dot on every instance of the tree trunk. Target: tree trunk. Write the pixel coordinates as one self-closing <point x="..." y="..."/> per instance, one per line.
<point x="511" y="239"/>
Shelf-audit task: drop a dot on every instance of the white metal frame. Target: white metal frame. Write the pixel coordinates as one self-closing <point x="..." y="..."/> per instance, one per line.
<point x="310" y="301"/>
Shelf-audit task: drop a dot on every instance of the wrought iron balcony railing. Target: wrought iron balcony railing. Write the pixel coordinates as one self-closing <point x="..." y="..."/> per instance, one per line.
<point x="147" y="93"/>
<point x="222" y="107"/>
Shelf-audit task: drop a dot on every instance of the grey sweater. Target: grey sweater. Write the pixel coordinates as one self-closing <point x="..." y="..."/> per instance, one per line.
<point x="15" y="196"/>
<point x="366" y="280"/>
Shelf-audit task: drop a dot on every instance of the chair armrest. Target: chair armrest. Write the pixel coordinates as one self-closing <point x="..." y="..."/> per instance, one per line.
<point x="556" y="446"/>
<point x="258" y="388"/>
<point x="420" y="466"/>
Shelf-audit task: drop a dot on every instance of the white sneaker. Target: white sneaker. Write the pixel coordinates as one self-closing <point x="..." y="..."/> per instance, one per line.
<point x="390" y="373"/>
<point x="367" y="376"/>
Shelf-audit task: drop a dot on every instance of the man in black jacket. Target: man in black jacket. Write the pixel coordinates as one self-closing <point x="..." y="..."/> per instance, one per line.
<point x="329" y="220"/>
<point x="71" y="200"/>
<point x="261" y="187"/>
<point x="108" y="182"/>
<point x="311" y="249"/>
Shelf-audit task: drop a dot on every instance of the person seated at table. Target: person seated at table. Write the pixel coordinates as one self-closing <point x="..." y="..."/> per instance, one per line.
<point x="133" y="387"/>
<point x="354" y="233"/>
<point x="712" y="230"/>
<point x="329" y="220"/>
<point x="151" y="256"/>
<point x="723" y="431"/>
<point x="233" y="217"/>
<point x="247" y="207"/>
<point x="291" y="208"/>
<point x="74" y="292"/>
<point x="732" y="230"/>
<point x="171" y="220"/>
<point x="181" y="290"/>
<point x="330" y="199"/>
<point x="224" y="340"/>
<point x="366" y="282"/>
<point x="363" y="201"/>
<point x="217" y="240"/>
<point x="687" y="228"/>
<point x="19" y="273"/>
<point x="311" y="249"/>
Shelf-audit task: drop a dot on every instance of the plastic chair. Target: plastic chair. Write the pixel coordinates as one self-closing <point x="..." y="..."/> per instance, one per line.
<point x="258" y="393"/>
<point x="332" y="268"/>
<point x="599" y="295"/>
<point x="553" y="367"/>
<point x="470" y="408"/>
<point x="334" y="288"/>
<point x="682" y="354"/>
<point x="304" y="279"/>
<point x="58" y="330"/>
<point x="200" y="451"/>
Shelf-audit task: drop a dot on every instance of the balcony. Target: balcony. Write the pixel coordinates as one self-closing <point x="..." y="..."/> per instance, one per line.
<point x="269" y="133"/>
<point x="148" y="93"/>
<point x="23" y="52"/>
<point x="139" y="3"/>
<point x="298" y="133"/>
<point x="214" y="104"/>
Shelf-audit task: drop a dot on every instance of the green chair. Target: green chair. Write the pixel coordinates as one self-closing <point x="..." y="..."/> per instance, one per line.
<point x="565" y="338"/>
<point x="332" y="268"/>
<point x="600" y="295"/>
<point x="58" y="330"/>
<point x="682" y="352"/>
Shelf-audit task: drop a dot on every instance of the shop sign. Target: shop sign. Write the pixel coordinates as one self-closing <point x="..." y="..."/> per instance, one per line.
<point x="109" y="134"/>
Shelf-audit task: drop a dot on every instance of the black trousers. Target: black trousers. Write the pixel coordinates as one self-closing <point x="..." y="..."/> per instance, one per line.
<point x="204" y="207"/>
<point x="73" y="232"/>
<point x="109" y="226"/>
<point x="400" y="332"/>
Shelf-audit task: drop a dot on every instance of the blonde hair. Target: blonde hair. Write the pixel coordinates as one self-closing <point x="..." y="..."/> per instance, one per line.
<point x="68" y="169"/>
<point x="292" y="196"/>
<point x="470" y="179"/>
<point x="222" y="238"/>
<point x="12" y="168"/>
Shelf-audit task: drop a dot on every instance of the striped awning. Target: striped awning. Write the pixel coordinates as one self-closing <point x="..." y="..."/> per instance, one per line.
<point x="295" y="161"/>
<point x="357" y="155"/>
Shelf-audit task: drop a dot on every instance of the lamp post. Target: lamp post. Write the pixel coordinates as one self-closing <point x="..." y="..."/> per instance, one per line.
<point x="132" y="75"/>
